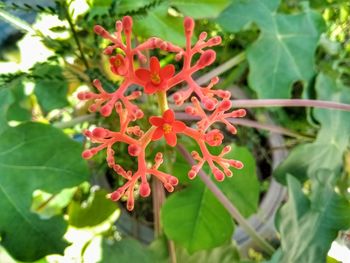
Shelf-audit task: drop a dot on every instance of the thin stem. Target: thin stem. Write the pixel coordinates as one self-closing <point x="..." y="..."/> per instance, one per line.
<point x="17" y="22"/>
<point x="260" y="241"/>
<point x="162" y="101"/>
<point x="222" y="68"/>
<point x="291" y="103"/>
<point x="251" y="124"/>
<point x="74" y="121"/>
<point x="75" y="36"/>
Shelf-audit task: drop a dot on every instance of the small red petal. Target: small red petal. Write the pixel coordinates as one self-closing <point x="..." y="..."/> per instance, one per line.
<point x="156" y="121"/>
<point x="169" y="116"/>
<point x="167" y="72"/>
<point x="154" y="64"/>
<point x="171" y="138"/>
<point x="178" y="126"/>
<point x="150" y="88"/>
<point x="158" y="133"/>
<point x="143" y="74"/>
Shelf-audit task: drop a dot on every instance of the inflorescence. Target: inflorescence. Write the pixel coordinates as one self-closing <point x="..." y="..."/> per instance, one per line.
<point x="159" y="80"/>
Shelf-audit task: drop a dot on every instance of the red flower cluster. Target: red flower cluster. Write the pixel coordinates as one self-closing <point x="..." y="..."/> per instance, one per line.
<point x="159" y="80"/>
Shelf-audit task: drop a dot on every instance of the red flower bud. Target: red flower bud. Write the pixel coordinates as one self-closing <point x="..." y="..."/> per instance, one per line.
<point x="134" y="149"/>
<point x="207" y="58"/>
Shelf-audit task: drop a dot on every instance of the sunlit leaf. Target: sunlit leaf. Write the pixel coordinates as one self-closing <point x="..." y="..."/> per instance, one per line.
<point x="35" y="156"/>
<point x="92" y="212"/>
<point x="50" y="86"/>
<point x="160" y="24"/>
<point x="200" y="9"/>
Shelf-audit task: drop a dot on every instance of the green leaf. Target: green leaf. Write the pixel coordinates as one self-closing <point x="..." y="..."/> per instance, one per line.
<point x="6" y="98"/>
<point x="160" y="24"/>
<point x="92" y="212"/>
<point x="47" y="205"/>
<point x="99" y="8"/>
<point x="228" y="253"/>
<point x="308" y="225"/>
<point x="35" y="156"/>
<point x="195" y="219"/>
<point x="200" y="9"/>
<point x="243" y="187"/>
<point x="18" y="110"/>
<point x="284" y="51"/>
<point x="127" y="6"/>
<point x="125" y="251"/>
<point x="50" y="86"/>
<point x="328" y="148"/>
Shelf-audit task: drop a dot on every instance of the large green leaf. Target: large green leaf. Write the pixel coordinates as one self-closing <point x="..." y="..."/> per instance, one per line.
<point x="35" y="156"/>
<point x="200" y="9"/>
<point x="6" y="98"/>
<point x="18" y="110"/>
<point x="158" y="23"/>
<point x="332" y="139"/>
<point x="195" y="219"/>
<point x="242" y="188"/>
<point x="284" y="51"/>
<point x="92" y="212"/>
<point x="308" y="225"/>
<point x="50" y="86"/>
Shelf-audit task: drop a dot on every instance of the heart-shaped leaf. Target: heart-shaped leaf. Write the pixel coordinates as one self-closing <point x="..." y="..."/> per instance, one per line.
<point x="284" y="51"/>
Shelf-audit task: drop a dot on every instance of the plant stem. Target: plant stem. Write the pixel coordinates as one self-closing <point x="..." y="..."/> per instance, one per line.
<point x="228" y="205"/>
<point x="250" y="123"/>
<point x="222" y="68"/>
<point x="74" y="121"/>
<point x="290" y="103"/>
<point x="17" y="22"/>
<point x="75" y="36"/>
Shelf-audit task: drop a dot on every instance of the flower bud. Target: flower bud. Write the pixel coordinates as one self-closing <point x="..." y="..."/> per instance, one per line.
<point x="207" y="58"/>
<point x="188" y="25"/>
<point x="145" y="190"/>
<point x="219" y="175"/>
<point x="127" y="24"/>
<point x="87" y="154"/>
<point x="134" y="149"/>
<point x="106" y="110"/>
<point x="100" y="132"/>
<point x="225" y="105"/>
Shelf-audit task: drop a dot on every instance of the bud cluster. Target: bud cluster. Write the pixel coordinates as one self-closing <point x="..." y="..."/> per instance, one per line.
<point x="159" y="80"/>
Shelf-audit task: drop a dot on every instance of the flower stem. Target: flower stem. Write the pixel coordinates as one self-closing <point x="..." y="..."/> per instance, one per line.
<point x="290" y="103"/>
<point x="158" y="189"/>
<point x="162" y="101"/>
<point x="260" y="241"/>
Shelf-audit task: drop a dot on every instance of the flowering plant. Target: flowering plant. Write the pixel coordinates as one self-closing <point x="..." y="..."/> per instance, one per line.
<point x="208" y="104"/>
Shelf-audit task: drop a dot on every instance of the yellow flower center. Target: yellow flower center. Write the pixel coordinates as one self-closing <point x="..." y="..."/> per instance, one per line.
<point x="217" y="137"/>
<point x="167" y="128"/>
<point x="118" y="62"/>
<point x="155" y="78"/>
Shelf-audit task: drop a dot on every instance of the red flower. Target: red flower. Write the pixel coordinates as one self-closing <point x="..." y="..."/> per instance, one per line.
<point x="156" y="78"/>
<point x="214" y="137"/>
<point x="167" y="126"/>
<point x="119" y="65"/>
